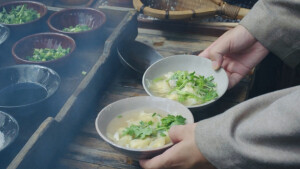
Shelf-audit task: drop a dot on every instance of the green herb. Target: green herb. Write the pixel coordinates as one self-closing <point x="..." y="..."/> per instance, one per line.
<point x="47" y="54"/>
<point x="77" y="28"/>
<point x="158" y="79"/>
<point x="147" y="129"/>
<point x="18" y="15"/>
<point x="169" y="121"/>
<point x="140" y="131"/>
<point x="153" y="114"/>
<point x="83" y="72"/>
<point x="205" y="88"/>
<point x="120" y="116"/>
<point x="163" y="134"/>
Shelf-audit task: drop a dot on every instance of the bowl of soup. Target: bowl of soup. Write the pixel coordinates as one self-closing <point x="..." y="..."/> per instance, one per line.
<point x="187" y="79"/>
<point x="138" y="126"/>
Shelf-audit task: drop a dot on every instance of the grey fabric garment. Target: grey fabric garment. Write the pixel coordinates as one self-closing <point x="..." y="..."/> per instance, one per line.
<point x="263" y="132"/>
<point x="276" y="24"/>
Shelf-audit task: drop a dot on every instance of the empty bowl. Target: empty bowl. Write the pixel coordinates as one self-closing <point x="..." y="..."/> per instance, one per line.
<point x="23" y="29"/>
<point x="66" y="18"/>
<point x="137" y="56"/>
<point x="118" y="108"/>
<point x="191" y="63"/>
<point x="9" y="130"/>
<point x="4" y="33"/>
<point x="24" y="48"/>
<point x="25" y="87"/>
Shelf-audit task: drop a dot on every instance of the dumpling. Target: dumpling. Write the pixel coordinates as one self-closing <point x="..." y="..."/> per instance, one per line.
<point x="139" y="143"/>
<point x="158" y="142"/>
<point x="190" y="101"/>
<point x="169" y="75"/>
<point x="188" y="88"/>
<point x="172" y="96"/>
<point x="160" y="87"/>
<point x="125" y="140"/>
<point x="145" y="117"/>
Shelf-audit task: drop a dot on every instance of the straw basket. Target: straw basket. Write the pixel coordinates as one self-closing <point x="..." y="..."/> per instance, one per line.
<point x="186" y="9"/>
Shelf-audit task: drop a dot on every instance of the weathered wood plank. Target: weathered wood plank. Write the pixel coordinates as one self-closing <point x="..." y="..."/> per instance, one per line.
<point x="214" y="29"/>
<point x="194" y="37"/>
<point x="39" y="145"/>
<point x="93" y="141"/>
<point x="74" y="164"/>
<point x="170" y="43"/>
<point x="113" y="14"/>
<point x="90" y="155"/>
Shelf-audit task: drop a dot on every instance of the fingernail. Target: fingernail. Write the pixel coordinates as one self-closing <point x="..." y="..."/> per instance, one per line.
<point x="215" y="65"/>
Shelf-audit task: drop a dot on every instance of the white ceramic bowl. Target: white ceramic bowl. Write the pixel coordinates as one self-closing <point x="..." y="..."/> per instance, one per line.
<point x="113" y="110"/>
<point x="200" y="65"/>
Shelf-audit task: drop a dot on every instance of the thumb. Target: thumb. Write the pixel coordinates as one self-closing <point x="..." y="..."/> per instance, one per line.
<point x="217" y="50"/>
<point x="176" y="133"/>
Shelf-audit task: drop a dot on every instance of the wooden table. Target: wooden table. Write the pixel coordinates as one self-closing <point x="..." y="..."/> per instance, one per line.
<point x="88" y="150"/>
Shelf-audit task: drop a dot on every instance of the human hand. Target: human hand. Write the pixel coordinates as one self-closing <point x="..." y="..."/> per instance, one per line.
<point x="237" y="51"/>
<point x="184" y="154"/>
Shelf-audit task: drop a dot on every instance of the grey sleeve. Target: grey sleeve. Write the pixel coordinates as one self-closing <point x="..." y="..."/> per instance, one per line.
<point x="263" y="132"/>
<point x="276" y="24"/>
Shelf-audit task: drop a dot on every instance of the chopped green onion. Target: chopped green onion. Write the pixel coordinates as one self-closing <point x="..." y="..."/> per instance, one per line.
<point x="77" y="28"/>
<point x="18" y="15"/>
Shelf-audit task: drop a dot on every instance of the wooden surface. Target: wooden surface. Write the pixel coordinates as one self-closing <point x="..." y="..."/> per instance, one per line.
<point x="51" y="136"/>
<point x="56" y="127"/>
<point x="65" y="109"/>
<point x="88" y="150"/>
<point x="70" y="79"/>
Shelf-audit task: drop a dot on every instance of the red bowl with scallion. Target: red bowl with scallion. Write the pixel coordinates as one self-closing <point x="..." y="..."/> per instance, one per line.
<point x="47" y="49"/>
<point x="82" y="24"/>
<point x="23" y="17"/>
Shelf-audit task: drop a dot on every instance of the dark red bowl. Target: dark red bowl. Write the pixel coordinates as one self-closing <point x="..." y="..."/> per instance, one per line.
<point x="27" y="28"/>
<point x="25" y="47"/>
<point x="72" y="17"/>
